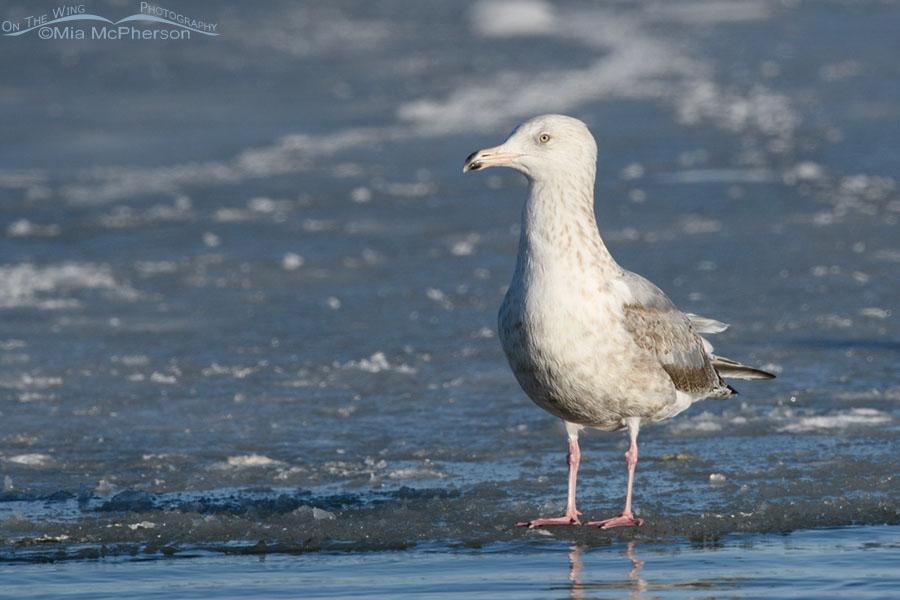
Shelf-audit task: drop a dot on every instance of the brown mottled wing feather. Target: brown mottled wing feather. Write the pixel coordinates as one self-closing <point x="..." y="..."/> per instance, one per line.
<point x="669" y="337"/>
<point x="662" y="330"/>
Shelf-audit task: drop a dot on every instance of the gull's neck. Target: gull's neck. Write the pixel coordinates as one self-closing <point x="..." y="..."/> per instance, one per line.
<point x="559" y="230"/>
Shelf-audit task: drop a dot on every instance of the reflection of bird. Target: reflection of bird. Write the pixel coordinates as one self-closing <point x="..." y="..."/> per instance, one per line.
<point x="636" y="583"/>
<point x="576" y="589"/>
<point x="588" y="341"/>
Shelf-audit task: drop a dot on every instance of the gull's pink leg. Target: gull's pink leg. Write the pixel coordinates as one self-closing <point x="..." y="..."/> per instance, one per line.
<point x="626" y="519"/>
<point x="571" y="516"/>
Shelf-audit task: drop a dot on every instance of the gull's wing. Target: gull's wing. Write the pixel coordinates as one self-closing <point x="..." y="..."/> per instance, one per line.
<point x="670" y="335"/>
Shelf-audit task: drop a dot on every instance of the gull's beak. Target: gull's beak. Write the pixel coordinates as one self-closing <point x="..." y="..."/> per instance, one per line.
<point x="489" y="157"/>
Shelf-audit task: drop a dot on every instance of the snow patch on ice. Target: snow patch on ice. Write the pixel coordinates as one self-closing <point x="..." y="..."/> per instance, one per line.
<point x="375" y="363"/>
<point x="510" y="18"/>
<point x="25" y="228"/>
<point x="31" y="459"/>
<point x="158" y="377"/>
<point x="705" y="422"/>
<point x="855" y="417"/>
<point x="105" y="487"/>
<point x="320" y="514"/>
<point x="712" y="13"/>
<point x="237" y="371"/>
<point x="378" y="363"/>
<point x="292" y="261"/>
<point x="698" y="225"/>
<point x="416" y="473"/>
<point x="252" y="460"/>
<point x="131" y="360"/>
<point x="27" y="285"/>
<point x="27" y="381"/>
<point x="716" y="479"/>
<point x="760" y="109"/>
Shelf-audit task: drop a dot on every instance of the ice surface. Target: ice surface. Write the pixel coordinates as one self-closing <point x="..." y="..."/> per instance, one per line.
<point x="842" y="420"/>
<point x="259" y="315"/>
<point x="53" y="286"/>
<point x="509" y="18"/>
<point x="31" y="460"/>
<point x="252" y="460"/>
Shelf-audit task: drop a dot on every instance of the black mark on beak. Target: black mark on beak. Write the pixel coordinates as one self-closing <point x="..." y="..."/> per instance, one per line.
<point x="470" y="164"/>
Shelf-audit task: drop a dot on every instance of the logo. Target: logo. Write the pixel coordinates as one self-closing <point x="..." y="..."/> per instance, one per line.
<point x="68" y="23"/>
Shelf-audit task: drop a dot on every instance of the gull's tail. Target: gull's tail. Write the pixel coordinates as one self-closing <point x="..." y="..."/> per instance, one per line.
<point x="730" y="368"/>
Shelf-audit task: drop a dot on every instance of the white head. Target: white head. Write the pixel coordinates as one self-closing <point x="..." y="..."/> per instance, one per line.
<point x="544" y="148"/>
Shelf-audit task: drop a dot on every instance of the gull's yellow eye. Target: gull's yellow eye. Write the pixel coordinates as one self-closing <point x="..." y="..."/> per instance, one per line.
<point x="544" y="138"/>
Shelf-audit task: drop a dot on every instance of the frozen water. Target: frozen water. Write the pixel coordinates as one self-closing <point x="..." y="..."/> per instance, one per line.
<point x="246" y="313"/>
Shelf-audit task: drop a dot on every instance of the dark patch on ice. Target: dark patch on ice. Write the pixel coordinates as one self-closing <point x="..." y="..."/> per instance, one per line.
<point x="128" y="501"/>
<point x="141" y="525"/>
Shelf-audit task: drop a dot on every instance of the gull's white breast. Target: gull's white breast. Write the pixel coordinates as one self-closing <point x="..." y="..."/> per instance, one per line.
<point x="562" y="328"/>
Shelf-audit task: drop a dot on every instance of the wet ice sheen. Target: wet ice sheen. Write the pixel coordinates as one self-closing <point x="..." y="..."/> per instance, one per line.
<point x="751" y="567"/>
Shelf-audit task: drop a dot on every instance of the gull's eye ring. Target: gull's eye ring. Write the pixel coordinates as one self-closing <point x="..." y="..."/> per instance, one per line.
<point x="544" y="138"/>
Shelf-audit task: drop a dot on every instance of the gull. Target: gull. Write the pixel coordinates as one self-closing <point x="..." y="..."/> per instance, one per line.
<point x="590" y="342"/>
